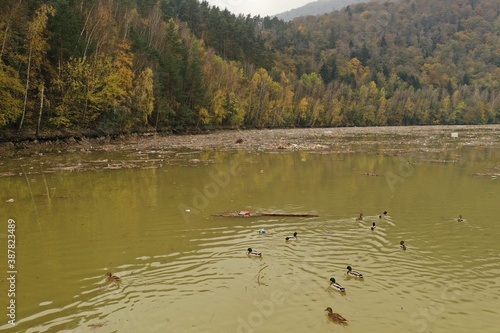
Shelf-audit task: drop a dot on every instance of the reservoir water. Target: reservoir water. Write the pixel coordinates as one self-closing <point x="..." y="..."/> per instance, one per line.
<point x="185" y="269"/>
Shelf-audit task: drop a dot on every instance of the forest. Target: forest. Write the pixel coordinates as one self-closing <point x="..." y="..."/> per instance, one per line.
<point x="98" y="67"/>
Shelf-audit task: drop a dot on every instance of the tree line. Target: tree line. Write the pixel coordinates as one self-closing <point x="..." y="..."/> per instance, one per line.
<point x="113" y="66"/>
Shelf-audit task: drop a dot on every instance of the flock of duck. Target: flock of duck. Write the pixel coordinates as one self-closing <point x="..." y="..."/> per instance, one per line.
<point x="350" y="272"/>
<point x="335" y="285"/>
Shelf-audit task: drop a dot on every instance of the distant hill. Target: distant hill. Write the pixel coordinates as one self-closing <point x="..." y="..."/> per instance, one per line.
<point x="316" y="8"/>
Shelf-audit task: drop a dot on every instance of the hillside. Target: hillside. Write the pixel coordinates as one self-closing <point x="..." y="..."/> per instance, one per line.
<point x="421" y="62"/>
<point x="315" y="8"/>
<point x="139" y="65"/>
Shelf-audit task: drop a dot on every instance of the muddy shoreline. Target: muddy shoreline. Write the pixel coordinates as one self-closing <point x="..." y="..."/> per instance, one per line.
<point x="309" y="139"/>
<point x="152" y="151"/>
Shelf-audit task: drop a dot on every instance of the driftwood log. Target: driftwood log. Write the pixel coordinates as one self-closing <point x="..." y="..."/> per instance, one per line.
<point x="249" y="214"/>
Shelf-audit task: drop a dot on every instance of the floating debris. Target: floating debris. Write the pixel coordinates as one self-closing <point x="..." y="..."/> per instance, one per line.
<point x="8" y="174"/>
<point x="94" y="327"/>
<point x="493" y="175"/>
<point x="249" y="214"/>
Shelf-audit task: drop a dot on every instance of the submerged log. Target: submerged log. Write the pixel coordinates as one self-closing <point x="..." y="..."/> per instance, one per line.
<point x="249" y="214"/>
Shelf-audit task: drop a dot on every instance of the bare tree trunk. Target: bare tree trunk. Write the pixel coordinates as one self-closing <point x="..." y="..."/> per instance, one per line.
<point x="86" y="21"/>
<point x="40" y="114"/>
<point x="26" y="91"/>
<point x="89" y="38"/>
<point x="86" y="103"/>
<point x="4" y="39"/>
<point x="157" y="116"/>
<point x="7" y="29"/>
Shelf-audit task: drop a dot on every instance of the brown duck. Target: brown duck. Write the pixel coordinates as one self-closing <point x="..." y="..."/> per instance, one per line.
<point x="335" y="316"/>
<point x="112" y="278"/>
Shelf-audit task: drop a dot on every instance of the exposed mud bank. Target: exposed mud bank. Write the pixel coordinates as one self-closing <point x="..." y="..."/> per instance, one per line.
<point x="323" y="139"/>
<point x="154" y="150"/>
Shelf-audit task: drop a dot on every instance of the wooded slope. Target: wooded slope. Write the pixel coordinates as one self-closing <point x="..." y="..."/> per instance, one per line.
<point x="113" y="66"/>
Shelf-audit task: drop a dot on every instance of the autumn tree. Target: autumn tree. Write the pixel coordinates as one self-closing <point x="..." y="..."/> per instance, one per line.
<point x="11" y="91"/>
<point x="143" y="97"/>
<point x="37" y="48"/>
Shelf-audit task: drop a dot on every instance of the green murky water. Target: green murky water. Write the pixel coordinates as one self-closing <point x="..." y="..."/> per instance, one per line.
<point x="185" y="270"/>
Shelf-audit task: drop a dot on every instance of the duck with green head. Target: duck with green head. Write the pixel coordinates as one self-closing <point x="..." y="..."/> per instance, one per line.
<point x="291" y="238"/>
<point x="336" y="286"/>
<point x="253" y="253"/>
<point x="373" y="227"/>
<point x="335" y="316"/>
<point x="356" y="274"/>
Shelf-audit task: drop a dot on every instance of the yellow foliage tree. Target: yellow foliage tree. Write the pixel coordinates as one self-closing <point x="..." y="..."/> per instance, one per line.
<point x="143" y="96"/>
<point x="355" y="66"/>
<point x="37" y="49"/>
<point x="303" y="108"/>
<point x="11" y="91"/>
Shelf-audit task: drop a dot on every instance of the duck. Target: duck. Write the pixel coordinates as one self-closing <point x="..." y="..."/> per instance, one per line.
<point x="381" y="216"/>
<point x="291" y="238"/>
<point x="350" y="272"/>
<point x="460" y="218"/>
<point x="336" y="286"/>
<point x="262" y="231"/>
<point x="403" y="246"/>
<point x="112" y="278"/>
<point x="373" y="227"/>
<point x="335" y="316"/>
<point x="360" y="217"/>
<point x="253" y="253"/>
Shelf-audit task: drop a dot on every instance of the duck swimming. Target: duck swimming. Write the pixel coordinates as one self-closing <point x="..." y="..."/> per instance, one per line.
<point x="112" y="278"/>
<point x="336" y="286"/>
<point x="460" y="218"/>
<point x="403" y="246"/>
<point x="291" y="238"/>
<point x="384" y="214"/>
<point x="335" y="316"/>
<point x="360" y="217"/>
<point x="373" y="227"/>
<point x="350" y="272"/>
<point x="253" y="253"/>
